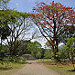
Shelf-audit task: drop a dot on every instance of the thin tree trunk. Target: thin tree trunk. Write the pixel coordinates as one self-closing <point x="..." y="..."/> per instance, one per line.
<point x="1" y="44"/>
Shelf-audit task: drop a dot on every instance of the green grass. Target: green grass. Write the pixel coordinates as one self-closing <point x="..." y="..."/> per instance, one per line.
<point x="8" y="69"/>
<point x="44" y="60"/>
<point x="62" y="69"/>
<point x="40" y="60"/>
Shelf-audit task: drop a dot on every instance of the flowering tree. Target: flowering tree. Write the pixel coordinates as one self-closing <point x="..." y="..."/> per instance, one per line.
<point x="52" y="20"/>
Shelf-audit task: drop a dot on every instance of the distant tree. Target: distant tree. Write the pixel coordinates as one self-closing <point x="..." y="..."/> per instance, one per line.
<point x="43" y="52"/>
<point x="34" y="49"/>
<point x="21" y="47"/>
<point x="52" y="20"/>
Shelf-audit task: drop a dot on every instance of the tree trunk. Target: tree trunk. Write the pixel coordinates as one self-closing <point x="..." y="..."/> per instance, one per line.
<point x="56" y="56"/>
<point x="1" y="49"/>
<point x="1" y="43"/>
<point x="11" y="49"/>
<point x="55" y="41"/>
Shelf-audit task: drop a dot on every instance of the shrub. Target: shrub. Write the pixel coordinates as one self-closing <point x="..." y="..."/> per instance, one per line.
<point x="15" y="59"/>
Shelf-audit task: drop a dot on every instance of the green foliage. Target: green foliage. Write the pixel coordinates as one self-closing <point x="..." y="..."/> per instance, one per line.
<point x="3" y="4"/>
<point x="21" y="47"/>
<point x="35" y="49"/>
<point x="70" y="49"/>
<point x="3" y="51"/>
<point x="48" y="54"/>
<point x="62" y="54"/>
<point x="4" y="1"/>
<point x="70" y="42"/>
<point x="70" y="46"/>
<point x="15" y="59"/>
<point x="5" y="31"/>
<point x="24" y="15"/>
<point x="15" y="21"/>
<point x="8" y="16"/>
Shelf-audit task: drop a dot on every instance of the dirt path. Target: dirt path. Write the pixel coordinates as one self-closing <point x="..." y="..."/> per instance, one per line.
<point x="35" y="68"/>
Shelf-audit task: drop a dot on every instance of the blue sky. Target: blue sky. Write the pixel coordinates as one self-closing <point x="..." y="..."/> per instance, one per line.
<point x="27" y="5"/>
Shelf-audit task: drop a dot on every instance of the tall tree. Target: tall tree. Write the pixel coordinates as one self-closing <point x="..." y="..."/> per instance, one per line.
<point x="18" y="30"/>
<point x="3" y="4"/>
<point x="16" y="22"/>
<point x="52" y="20"/>
<point x="4" y="28"/>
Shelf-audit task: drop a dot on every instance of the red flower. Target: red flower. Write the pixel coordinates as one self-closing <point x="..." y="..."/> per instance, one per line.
<point x="44" y="26"/>
<point x="63" y="7"/>
<point x="42" y="3"/>
<point x="71" y="10"/>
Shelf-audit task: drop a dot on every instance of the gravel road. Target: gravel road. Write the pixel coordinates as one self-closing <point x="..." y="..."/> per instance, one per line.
<point x="34" y="68"/>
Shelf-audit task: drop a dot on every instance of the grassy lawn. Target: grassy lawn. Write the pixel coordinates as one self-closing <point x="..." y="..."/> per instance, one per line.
<point x="62" y="69"/>
<point x="8" y="69"/>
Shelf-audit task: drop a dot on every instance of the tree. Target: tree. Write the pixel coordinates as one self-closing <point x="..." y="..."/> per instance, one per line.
<point x="70" y="49"/>
<point x="4" y="28"/>
<point x="21" y="47"/>
<point x="52" y="20"/>
<point x="3" y="4"/>
<point x="17" y="26"/>
<point x="18" y="29"/>
<point x="34" y="49"/>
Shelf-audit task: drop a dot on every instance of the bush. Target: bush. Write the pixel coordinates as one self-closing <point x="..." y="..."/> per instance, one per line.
<point x="15" y="59"/>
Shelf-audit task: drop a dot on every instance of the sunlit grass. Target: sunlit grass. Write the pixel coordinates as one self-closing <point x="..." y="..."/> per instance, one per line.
<point x="66" y="69"/>
<point x="62" y="69"/>
<point x="40" y="60"/>
<point x="8" y="69"/>
<point x="44" y="60"/>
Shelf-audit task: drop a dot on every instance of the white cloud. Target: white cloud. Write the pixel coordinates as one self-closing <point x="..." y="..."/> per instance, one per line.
<point x="17" y="4"/>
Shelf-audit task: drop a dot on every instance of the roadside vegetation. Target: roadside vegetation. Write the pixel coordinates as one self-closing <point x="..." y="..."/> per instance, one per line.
<point x="8" y="69"/>
<point x="66" y="69"/>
